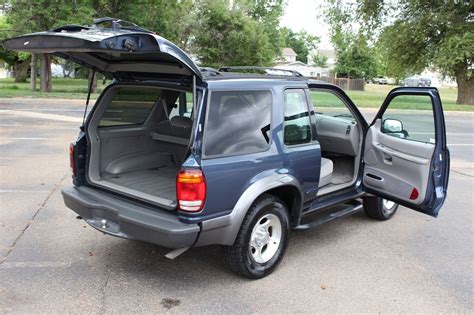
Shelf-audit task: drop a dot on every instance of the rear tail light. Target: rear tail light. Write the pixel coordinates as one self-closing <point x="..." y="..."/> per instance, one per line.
<point x="71" y="159"/>
<point x="190" y="190"/>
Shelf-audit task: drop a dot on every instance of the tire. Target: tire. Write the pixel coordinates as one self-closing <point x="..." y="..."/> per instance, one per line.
<point x="379" y="209"/>
<point x="257" y="251"/>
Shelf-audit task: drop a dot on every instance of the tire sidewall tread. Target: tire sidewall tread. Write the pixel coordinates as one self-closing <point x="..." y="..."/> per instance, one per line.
<point x="237" y="256"/>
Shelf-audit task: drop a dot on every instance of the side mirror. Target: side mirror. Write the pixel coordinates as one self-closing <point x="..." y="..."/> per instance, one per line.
<point x="392" y="126"/>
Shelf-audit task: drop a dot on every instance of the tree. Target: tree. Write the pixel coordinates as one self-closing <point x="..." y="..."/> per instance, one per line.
<point x="233" y="33"/>
<point x="39" y="15"/>
<point x="267" y="13"/>
<point x="174" y="20"/>
<point x="18" y="61"/>
<point x="418" y="34"/>
<point x="301" y="42"/>
<point x="355" y="57"/>
<point x="319" y="60"/>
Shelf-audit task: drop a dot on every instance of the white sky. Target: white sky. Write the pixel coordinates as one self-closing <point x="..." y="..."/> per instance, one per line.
<point x="303" y="15"/>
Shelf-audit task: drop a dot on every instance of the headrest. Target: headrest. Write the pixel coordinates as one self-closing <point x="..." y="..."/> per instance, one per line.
<point x="183" y="122"/>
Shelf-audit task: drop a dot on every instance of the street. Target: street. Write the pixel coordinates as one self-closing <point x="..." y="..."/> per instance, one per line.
<point x="52" y="262"/>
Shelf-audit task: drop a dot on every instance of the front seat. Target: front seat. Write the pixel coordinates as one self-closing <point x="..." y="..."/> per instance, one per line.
<point x="325" y="176"/>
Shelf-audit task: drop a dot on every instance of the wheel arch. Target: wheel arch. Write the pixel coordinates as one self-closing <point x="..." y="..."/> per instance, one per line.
<point x="224" y="230"/>
<point x="291" y="196"/>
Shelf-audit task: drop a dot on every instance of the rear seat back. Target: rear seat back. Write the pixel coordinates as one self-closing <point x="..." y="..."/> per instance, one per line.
<point x="176" y="133"/>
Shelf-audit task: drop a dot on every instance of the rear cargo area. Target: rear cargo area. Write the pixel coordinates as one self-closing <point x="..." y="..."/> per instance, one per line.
<point x="139" y="138"/>
<point x="155" y="182"/>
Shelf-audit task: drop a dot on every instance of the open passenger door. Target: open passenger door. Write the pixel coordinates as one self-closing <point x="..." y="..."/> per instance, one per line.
<point x="124" y="50"/>
<point x="406" y="158"/>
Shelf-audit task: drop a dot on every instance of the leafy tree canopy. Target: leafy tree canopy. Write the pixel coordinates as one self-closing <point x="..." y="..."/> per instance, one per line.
<point x="319" y="60"/>
<point x="356" y="58"/>
<point x="236" y="32"/>
<point x="417" y="34"/>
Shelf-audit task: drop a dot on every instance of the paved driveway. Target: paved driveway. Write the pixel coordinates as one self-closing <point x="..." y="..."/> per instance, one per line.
<point x="51" y="262"/>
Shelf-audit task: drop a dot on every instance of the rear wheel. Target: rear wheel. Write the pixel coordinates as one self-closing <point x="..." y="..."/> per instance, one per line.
<point x="262" y="239"/>
<point x="379" y="208"/>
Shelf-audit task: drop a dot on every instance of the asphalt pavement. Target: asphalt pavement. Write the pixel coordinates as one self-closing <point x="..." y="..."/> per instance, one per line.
<point x="52" y="262"/>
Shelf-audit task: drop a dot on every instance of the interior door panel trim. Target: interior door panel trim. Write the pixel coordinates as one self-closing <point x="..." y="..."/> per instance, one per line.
<point x="401" y="155"/>
<point x="425" y="166"/>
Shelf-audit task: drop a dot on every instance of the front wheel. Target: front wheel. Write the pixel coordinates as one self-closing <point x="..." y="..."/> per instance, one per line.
<point x="379" y="208"/>
<point x="262" y="239"/>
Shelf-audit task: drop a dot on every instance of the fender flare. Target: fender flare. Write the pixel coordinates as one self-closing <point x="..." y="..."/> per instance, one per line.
<point x="223" y="230"/>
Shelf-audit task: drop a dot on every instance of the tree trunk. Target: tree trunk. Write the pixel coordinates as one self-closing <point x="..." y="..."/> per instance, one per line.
<point x="45" y="73"/>
<point x="33" y="73"/>
<point x="94" y="81"/>
<point x="21" y="71"/>
<point x="465" y="85"/>
<point x="465" y="90"/>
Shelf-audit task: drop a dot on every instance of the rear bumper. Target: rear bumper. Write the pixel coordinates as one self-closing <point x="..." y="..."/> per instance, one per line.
<point x="125" y="219"/>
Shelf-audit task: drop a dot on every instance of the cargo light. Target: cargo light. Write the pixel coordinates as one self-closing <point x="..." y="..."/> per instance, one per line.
<point x="190" y="190"/>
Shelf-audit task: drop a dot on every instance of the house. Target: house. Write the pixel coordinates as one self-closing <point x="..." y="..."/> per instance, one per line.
<point x="304" y="69"/>
<point x="288" y="55"/>
<point x="287" y="61"/>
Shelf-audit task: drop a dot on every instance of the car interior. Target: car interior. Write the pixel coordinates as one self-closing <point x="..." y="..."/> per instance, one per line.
<point x="140" y="151"/>
<point x="340" y="137"/>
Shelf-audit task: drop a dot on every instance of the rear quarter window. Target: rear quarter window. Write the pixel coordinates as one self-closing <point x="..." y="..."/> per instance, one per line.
<point x="238" y="122"/>
<point x="130" y="106"/>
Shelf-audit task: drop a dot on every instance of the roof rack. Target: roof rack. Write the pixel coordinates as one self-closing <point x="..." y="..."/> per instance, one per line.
<point x="209" y="71"/>
<point x="261" y="70"/>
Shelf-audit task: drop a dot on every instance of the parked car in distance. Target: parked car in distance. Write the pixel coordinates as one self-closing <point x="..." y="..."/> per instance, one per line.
<point x="183" y="157"/>
<point x="417" y="81"/>
<point x="382" y="80"/>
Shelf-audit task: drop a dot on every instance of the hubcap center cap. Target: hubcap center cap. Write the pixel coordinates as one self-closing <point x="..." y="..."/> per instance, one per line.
<point x="262" y="237"/>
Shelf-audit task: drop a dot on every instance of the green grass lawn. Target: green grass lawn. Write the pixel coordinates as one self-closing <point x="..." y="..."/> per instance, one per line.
<point x="372" y="97"/>
<point x="62" y="88"/>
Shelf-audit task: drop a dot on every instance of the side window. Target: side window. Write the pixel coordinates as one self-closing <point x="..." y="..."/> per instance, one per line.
<point x="130" y="106"/>
<point x="410" y="117"/>
<point x="238" y="122"/>
<point x="297" y="128"/>
<point x="184" y="106"/>
<point x="325" y="102"/>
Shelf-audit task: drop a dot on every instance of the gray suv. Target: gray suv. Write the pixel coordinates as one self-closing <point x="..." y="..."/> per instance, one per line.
<point x="183" y="157"/>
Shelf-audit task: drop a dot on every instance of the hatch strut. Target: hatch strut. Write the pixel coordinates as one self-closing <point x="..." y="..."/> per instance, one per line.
<point x="88" y="96"/>
<point x="194" y="96"/>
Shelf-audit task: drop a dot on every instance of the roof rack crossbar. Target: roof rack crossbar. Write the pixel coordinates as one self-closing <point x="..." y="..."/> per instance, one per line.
<point x="265" y="70"/>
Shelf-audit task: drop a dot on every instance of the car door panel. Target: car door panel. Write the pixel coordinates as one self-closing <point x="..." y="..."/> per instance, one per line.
<point x="396" y="165"/>
<point x="409" y="167"/>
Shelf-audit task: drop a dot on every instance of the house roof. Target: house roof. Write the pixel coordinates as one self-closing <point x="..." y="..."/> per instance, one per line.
<point x="287" y="51"/>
